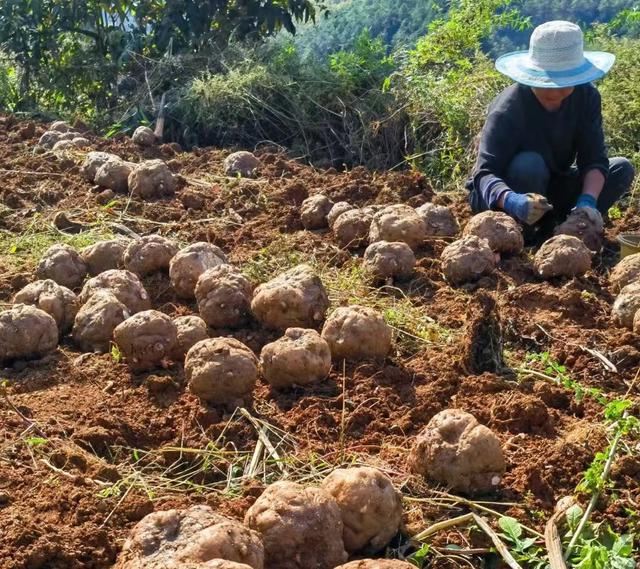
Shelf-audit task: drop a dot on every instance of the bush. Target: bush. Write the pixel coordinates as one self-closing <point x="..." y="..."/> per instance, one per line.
<point x="333" y="112"/>
<point x="448" y="82"/>
<point x="621" y="98"/>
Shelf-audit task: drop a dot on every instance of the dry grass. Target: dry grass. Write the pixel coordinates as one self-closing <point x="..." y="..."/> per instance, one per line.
<point x="348" y="284"/>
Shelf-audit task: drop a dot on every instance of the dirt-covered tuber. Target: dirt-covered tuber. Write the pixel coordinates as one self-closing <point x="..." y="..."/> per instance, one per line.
<point x="152" y="179"/>
<point x="586" y="224"/>
<point x="63" y="264"/>
<point x="457" y="451"/>
<point x="387" y="261"/>
<point x="193" y="537"/>
<point x="104" y="256"/>
<point x="26" y="332"/>
<point x="114" y="174"/>
<point x="296" y="298"/>
<point x="351" y="228"/>
<point x="221" y="370"/>
<point x="300" y="357"/>
<point x="96" y="320"/>
<point x="398" y="223"/>
<point x="627" y="305"/>
<point x="314" y="211"/>
<point x="125" y="286"/>
<point x="190" y="262"/>
<point x="56" y="300"/>
<point x="301" y="527"/>
<point x="625" y="272"/>
<point x="149" y="254"/>
<point x="439" y="220"/>
<point x="146" y="339"/>
<point x="371" y="507"/>
<point x="224" y="297"/>
<point x="144" y="136"/>
<point x="357" y="332"/>
<point x="467" y="259"/>
<point x="92" y="162"/>
<point x="562" y="256"/>
<point x="191" y="330"/>
<point x="501" y="231"/>
<point x="336" y="211"/>
<point x="241" y="163"/>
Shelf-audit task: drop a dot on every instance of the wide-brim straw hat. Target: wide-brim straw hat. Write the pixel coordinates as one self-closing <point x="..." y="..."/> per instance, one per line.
<point x="555" y="59"/>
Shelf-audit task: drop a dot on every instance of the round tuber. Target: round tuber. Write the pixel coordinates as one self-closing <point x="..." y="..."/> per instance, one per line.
<point x="189" y="263"/>
<point x="439" y="220"/>
<point x="193" y="537"/>
<point x="371" y="507"/>
<point x="221" y="370"/>
<point x="500" y="230"/>
<point x="96" y="320"/>
<point x="26" y="332"/>
<point x="455" y="450"/>
<point x="300" y="357"/>
<point x="191" y="330"/>
<point x="124" y="285"/>
<point x="387" y="261"/>
<point x="241" y="163"/>
<point x="149" y="254"/>
<point x="152" y="179"/>
<point x="357" y="332"/>
<point x="146" y="339"/>
<point x="224" y="297"/>
<point x="296" y="298"/>
<point x="398" y="223"/>
<point x="104" y="256"/>
<point x="467" y="259"/>
<point x="56" y="300"/>
<point x="562" y="256"/>
<point x="314" y="211"/>
<point x="301" y="527"/>
<point x="63" y="264"/>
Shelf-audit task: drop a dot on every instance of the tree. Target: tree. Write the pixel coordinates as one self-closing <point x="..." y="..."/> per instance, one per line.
<point x="62" y="46"/>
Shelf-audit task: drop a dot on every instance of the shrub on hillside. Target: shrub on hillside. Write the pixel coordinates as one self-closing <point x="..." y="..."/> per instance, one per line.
<point x="332" y="112"/>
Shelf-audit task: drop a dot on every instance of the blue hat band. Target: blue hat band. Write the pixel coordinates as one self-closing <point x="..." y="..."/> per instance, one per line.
<point x="560" y="74"/>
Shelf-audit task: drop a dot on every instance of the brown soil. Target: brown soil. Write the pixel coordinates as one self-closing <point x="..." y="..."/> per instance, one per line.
<point x="68" y="423"/>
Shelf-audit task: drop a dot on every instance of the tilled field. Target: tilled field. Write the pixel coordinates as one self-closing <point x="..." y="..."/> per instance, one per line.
<point x="88" y="448"/>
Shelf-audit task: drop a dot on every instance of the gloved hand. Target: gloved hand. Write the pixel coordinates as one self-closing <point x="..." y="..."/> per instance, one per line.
<point x="585" y="200"/>
<point x="528" y="208"/>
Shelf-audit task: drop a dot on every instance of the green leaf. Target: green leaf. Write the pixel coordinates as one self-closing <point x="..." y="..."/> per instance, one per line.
<point x="623" y="563"/>
<point x="511" y="527"/>
<point x="35" y="441"/>
<point x="527" y="543"/>
<point x="420" y="556"/>
<point x="573" y="515"/>
<point x="623" y="545"/>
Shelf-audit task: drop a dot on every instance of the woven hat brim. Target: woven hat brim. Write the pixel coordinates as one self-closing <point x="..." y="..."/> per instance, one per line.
<point x="517" y="66"/>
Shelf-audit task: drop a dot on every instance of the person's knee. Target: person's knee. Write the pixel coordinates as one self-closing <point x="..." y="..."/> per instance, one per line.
<point x="623" y="171"/>
<point x="528" y="173"/>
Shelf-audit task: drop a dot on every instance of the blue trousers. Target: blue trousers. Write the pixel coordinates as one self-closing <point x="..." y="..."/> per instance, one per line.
<point x="528" y="173"/>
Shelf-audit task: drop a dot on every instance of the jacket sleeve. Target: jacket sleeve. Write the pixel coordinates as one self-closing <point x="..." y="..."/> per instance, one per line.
<point x="592" y="152"/>
<point x="496" y="150"/>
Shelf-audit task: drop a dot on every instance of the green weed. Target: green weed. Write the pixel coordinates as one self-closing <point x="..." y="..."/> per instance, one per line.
<point x="554" y="371"/>
<point x="22" y="250"/>
<point x="116" y="354"/>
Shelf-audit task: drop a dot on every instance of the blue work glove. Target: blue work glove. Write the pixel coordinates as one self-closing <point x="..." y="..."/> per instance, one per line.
<point x="528" y="208"/>
<point x="585" y="200"/>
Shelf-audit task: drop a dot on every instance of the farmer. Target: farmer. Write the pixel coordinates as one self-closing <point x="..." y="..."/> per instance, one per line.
<point x="542" y="149"/>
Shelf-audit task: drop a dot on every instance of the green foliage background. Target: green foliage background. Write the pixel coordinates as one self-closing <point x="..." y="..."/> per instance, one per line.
<point x="385" y="84"/>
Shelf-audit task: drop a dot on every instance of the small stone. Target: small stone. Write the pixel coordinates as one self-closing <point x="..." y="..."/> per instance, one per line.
<point x="104" y="197"/>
